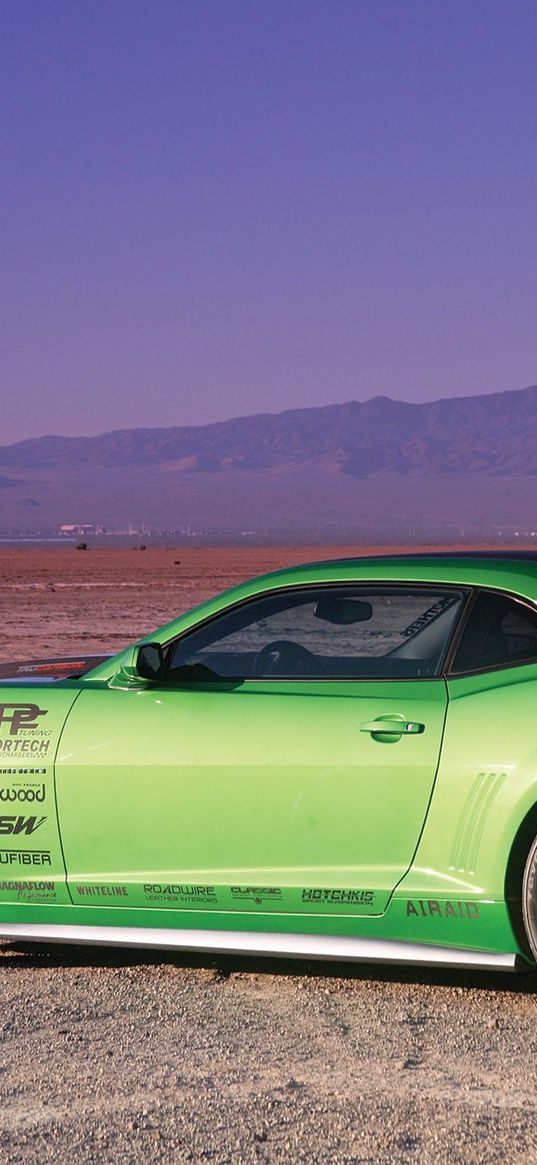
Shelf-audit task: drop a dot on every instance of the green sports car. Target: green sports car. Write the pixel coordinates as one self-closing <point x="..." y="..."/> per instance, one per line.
<point x="338" y="760"/>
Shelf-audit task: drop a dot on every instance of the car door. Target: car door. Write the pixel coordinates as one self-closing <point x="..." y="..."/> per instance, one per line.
<point x="285" y="761"/>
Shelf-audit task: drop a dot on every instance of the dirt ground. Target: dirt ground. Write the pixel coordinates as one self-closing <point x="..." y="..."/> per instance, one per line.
<point x="124" y="1057"/>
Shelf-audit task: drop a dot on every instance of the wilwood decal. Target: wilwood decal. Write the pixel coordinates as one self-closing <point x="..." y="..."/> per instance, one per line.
<point x="26" y="793"/>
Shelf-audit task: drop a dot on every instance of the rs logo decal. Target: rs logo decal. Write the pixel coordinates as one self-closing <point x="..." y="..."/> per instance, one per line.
<point x="20" y="824"/>
<point x="20" y="716"/>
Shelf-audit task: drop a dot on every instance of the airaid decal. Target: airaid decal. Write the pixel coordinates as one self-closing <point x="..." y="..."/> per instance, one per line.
<point x="347" y="897"/>
<point x="440" y="908"/>
<point x="16" y="825"/>
<point x="20" y="716"/>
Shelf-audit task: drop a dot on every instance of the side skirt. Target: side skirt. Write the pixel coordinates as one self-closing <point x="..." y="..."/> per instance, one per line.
<point x="301" y="946"/>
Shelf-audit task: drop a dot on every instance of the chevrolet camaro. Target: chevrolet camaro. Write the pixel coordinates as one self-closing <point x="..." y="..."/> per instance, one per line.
<point x="338" y="760"/>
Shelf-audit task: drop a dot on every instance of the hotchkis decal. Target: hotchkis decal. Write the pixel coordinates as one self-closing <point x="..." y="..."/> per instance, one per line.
<point x="20" y="716"/>
<point x="257" y="894"/>
<point x="24" y="792"/>
<point x="430" y="908"/>
<point x="349" y="897"/>
<point x="10" y="857"/>
<point x="158" y="892"/>
<point x="20" y="824"/>
<point x="102" y="891"/>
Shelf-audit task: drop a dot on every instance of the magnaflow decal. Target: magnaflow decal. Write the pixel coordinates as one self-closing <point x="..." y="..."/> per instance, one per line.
<point x="20" y="716"/>
<point x="30" y="891"/>
<point x="434" y="908"/>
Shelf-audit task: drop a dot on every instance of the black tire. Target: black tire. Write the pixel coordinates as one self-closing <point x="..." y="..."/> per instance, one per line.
<point x="529" y="899"/>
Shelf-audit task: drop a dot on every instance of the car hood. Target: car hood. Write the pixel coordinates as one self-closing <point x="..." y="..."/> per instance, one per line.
<point x="57" y="668"/>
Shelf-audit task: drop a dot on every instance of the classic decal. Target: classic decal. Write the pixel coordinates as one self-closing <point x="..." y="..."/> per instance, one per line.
<point x="257" y="894"/>
<point x="20" y="716"/>
<point x="350" y="897"/>
<point x="9" y="857"/>
<point x="20" y="824"/>
<point x="433" y="907"/>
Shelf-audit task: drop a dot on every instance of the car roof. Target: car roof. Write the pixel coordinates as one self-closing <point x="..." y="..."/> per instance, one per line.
<point x="514" y="571"/>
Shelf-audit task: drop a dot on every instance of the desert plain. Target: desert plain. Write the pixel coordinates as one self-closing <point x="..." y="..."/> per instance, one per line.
<point x="113" y="1057"/>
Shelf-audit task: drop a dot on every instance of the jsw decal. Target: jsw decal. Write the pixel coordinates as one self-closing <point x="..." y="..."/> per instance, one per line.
<point x="20" y="824"/>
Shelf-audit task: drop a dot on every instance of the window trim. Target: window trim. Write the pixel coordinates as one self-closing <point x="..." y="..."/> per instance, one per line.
<point x="465" y="589"/>
<point x="466" y="615"/>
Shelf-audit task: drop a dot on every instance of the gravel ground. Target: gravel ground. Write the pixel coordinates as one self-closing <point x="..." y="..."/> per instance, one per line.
<point x="120" y="1057"/>
<point x="114" y="1057"/>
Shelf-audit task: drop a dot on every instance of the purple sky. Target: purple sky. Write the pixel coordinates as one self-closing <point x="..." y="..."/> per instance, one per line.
<point x="218" y="207"/>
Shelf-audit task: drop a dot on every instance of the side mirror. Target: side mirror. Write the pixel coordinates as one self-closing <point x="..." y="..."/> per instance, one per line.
<point x="149" y="661"/>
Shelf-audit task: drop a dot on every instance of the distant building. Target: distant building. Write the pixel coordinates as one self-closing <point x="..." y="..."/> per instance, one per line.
<point x="81" y="530"/>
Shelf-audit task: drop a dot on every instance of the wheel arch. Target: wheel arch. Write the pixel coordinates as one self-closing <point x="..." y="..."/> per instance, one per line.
<point x="520" y="847"/>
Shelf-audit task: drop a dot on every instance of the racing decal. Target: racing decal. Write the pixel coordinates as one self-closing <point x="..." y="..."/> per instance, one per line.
<point x="20" y="716"/>
<point x="13" y="824"/>
<point x="102" y="891"/>
<point x="25" y="857"/>
<point x="434" y="908"/>
<point x="191" y="895"/>
<point x="346" y="897"/>
<point x="24" y="747"/>
<point x="29" y="891"/>
<point x="429" y="615"/>
<point x="53" y="668"/>
<point x="23" y="791"/>
<point x="256" y="894"/>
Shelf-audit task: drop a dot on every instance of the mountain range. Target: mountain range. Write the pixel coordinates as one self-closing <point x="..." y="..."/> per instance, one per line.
<point x="319" y="471"/>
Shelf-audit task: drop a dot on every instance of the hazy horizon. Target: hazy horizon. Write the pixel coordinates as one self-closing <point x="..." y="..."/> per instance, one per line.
<point x="265" y="412"/>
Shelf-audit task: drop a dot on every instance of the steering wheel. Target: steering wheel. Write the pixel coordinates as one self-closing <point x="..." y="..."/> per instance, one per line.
<point x="274" y="659"/>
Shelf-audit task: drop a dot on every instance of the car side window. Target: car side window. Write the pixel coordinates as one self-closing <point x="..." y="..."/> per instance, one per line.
<point x="342" y="632"/>
<point x="500" y="631"/>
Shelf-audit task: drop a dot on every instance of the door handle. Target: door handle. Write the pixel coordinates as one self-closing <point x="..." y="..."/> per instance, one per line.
<point x="390" y="726"/>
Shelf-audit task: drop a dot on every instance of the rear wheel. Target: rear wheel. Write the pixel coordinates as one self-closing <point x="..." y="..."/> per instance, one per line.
<point x="529" y="898"/>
